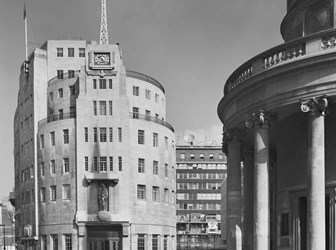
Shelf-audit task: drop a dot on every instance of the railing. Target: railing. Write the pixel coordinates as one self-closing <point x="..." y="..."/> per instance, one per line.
<point x="56" y="118"/>
<point x="280" y="54"/>
<point x="65" y="76"/>
<point x="135" y="115"/>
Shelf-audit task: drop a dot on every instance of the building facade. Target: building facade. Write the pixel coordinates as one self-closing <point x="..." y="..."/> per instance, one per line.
<point x="200" y="172"/>
<point x="94" y="156"/>
<point x="278" y="119"/>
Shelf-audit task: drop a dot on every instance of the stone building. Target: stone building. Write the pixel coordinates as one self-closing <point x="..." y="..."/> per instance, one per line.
<point x="278" y="118"/>
<point x="200" y="172"/>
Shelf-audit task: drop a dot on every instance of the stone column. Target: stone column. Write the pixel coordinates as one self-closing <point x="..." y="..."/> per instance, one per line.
<point x="248" y="196"/>
<point x="234" y="196"/>
<point x="261" y="122"/>
<point x="315" y="108"/>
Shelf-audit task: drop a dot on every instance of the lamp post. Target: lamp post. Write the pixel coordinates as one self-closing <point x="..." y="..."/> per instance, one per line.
<point x="4" y="235"/>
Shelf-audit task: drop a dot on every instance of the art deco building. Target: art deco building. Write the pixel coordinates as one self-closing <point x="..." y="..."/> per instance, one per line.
<point x="94" y="156"/>
<point x="200" y="172"/>
<point x="279" y="119"/>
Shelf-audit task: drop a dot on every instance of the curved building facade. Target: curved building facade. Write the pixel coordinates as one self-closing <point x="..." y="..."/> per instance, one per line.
<point x="102" y="172"/>
<point x="279" y="119"/>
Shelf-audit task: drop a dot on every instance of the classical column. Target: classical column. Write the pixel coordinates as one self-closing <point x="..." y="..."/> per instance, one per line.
<point x="315" y="108"/>
<point x="261" y="122"/>
<point x="234" y="197"/>
<point x="248" y="199"/>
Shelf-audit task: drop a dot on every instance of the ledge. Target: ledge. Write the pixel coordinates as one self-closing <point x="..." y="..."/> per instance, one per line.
<point x="91" y="177"/>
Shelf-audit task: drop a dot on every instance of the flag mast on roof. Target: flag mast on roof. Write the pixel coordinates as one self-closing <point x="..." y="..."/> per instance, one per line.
<point x="26" y="37"/>
<point x="103" y="24"/>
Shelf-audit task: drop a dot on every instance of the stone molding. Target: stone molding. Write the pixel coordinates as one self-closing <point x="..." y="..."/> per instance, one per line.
<point x="315" y="106"/>
<point x="232" y="134"/>
<point x="260" y="119"/>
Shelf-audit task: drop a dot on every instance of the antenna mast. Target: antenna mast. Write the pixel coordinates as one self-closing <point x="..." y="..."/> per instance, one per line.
<point x="103" y="24"/>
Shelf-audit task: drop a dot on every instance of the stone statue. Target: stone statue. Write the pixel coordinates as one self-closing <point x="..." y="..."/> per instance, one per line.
<point x="102" y="198"/>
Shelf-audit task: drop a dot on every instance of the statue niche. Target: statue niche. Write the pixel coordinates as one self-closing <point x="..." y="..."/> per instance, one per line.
<point x="102" y="198"/>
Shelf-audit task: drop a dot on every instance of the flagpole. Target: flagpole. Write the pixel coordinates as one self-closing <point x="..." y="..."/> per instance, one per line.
<point x="26" y="33"/>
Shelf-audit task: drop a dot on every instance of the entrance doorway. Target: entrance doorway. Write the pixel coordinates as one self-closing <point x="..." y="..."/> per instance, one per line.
<point x="104" y="237"/>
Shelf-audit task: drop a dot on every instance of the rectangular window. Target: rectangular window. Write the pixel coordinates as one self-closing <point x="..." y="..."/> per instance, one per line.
<point x="156" y="194"/>
<point x="141" y="192"/>
<point x="166" y="195"/>
<point x="141" y="137"/>
<point x="51" y="96"/>
<point x="81" y="52"/>
<point x="110" y="83"/>
<point x="71" y="52"/>
<point x="94" y="107"/>
<point x="111" y="163"/>
<point x="66" y="192"/>
<point x="135" y="113"/>
<point x="42" y="194"/>
<point x="102" y="107"/>
<point x="155" y="140"/>
<point x="173" y="198"/>
<point x="86" y="163"/>
<point x="136" y="90"/>
<point x="156" y="167"/>
<point x="120" y="163"/>
<point x="148" y="115"/>
<point x="102" y="164"/>
<point x="110" y="108"/>
<point x="86" y="134"/>
<point x="42" y="169"/>
<point x="156" y="98"/>
<point x="141" y="165"/>
<point x="66" y="136"/>
<point x="94" y="83"/>
<point x="59" y="52"/>
<point x="102" y="83"/>
<point x="66" y="167"/>
<point x="148" y="94"/>
<point x="155" y="242"/>
<point x="52" y="166"/>
<point x="211" y="156"/>
<point x="60" y="93"/>
<point x="192" y="156"/>
<point x="165" y="242"/>
<point x="201" y="156"/>
<point x="221" y="156"/>
<point x="68" y="242"/>
<point x="166" y="142"/>
<point x="111" y="134"/>
<point x="52" y="138"/>
<point x="59" y="74"/>
<point x="95" y="134"/>
<point x="95" y="164"/>
<point x="119" y="134"/>
<point x="284" y="224"/>
<point x="102" y="134"/>
<point x="44" y="242"/>
<point x="54" y="240"/>
<point x="141" y="242"/>
<point x="52" y="193"/>
<point x="166" y="170"/>
<point x="42" y="141"/>
<point x="72" y="90"/>
<point x="71" y="73"/>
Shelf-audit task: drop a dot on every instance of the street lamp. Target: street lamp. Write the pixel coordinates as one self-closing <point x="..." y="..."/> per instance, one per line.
<point x="4" y="235"/>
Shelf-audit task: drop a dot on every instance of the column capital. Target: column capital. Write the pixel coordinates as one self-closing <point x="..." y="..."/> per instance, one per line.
<point x="315" y="105"/>
<point x="234" y="134"/>
<point x="260" y="119"/>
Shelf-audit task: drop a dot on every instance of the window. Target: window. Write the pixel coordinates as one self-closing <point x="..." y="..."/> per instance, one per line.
<point x="110" y="83"/>
<point x="54" y="240"/>
<point x="102" y="107"/>
<point x="66" y="136"/>
<point x="95" y="134"/>
<point x="166" y="142"/>
<point x="156" y="194"/>
<point x="120" y="163"/>
<point x="141" y="165"/>
<point x="141" y="192"/>
<point x="94" y="107"/>
<point x="52" y="166"/>
<point x="71" y="73"/>
<point x="60" y="93"/>
<point x="102" y="134"/>
<point x="136" y="90"/>
<point x="110" y="108"/>
<point x="66" y="192"/>
<point x="192" y="156"/>
<point x="155" y="140"/>
<point x="211" y="156"/>
<point x="156" y="167"/>
<point x="173" y="198"/>
<point x="51" y="96"/>
<point x="111" y="163"/>
<point x="102" y="164"/>
<point x="221" y="156"/>
<point x="94" y="83"/>
<point x="156" y="98"/>
<point x="119" y="134"/>
<point x="71" y="52"/>
<point x="59" y="74"/>
<point x="42" y="194"/>
<point x="148" y="115"/>
<point x="154" y="242"/>
<point x="102" y="83"/>
<point x="182" y="156"/>
<point x="68" y="242"/>
<point x="60" y="114"/>
<point x="284" y="224"/>
<point x="52" y="138"/>
<point x="141" y="137"/>
<point x="86" y="163"/>
<point x="166" y="195"/>
<point x="52" y="193"/>
<point x="165" y="242"/>
<point x="42" y="169"/>
<point x="111" y="134"/>
<point x="135" y="113"/>
<point x="66" y="167"/>
<point x="42" y="141"/>
<point x="72" y="90"/>
<point x="166" y="170"/>
<point x="81" y="52"/>
<point x="86" y="134"/>
<point x="59" y="52"/>
<point x="95" y="164"/>
<point x="148" y="94"/>
<point x="141" y="242"/>
<point x="44" y="242"/>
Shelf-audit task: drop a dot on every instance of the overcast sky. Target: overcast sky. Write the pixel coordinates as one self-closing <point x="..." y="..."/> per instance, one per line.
<point x="190" y="46"/>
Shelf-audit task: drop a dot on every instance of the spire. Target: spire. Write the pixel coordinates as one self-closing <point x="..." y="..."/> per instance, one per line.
<point x="103" y="24"/>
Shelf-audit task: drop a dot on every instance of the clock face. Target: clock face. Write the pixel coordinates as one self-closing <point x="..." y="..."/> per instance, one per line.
<point x="102" y="58"/>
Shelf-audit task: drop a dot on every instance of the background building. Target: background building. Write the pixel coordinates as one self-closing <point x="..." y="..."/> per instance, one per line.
<point x="7" y="230"/>
<point x="278" y="119"/>
<point x="200" y="172"/>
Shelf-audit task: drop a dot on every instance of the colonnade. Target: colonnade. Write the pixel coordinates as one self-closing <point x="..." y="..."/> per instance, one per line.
<point x="253" y="232"/>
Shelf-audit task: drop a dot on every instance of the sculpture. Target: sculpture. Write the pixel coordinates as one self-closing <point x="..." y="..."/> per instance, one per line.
<point x="102" y="198"/>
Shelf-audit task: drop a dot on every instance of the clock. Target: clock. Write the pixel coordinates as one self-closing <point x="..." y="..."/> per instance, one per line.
<point x="101" y="58"/>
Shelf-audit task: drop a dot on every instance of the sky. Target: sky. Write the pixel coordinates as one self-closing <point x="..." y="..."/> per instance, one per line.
<point x="190" y="46"/>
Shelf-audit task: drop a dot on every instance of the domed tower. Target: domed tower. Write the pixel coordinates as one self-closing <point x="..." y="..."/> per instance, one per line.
<point x="278" y="119"/>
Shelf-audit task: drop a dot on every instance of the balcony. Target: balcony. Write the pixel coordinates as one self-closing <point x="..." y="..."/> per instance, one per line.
<point x="57" y="118"/>
<point x="143" y="117"/>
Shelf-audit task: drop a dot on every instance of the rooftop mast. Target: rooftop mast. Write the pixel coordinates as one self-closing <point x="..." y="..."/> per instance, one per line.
<point x="103" y="24"/>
